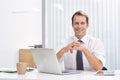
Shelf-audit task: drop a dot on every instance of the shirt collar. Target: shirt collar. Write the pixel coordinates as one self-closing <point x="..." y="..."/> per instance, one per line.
<point x="84" y="39"/>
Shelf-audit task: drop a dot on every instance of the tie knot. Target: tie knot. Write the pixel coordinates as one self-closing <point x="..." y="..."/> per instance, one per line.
<point x="80" y="41"/>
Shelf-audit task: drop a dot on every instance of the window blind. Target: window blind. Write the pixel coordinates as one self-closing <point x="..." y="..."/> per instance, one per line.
<point x="104" y="24"/>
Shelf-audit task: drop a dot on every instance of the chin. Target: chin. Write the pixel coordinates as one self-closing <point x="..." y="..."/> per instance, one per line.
<point x="78" y="36"/>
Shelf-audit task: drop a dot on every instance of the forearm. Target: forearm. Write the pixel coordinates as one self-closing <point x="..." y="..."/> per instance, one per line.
<point x="93" y="60"/>
<point x="60" y="54"/>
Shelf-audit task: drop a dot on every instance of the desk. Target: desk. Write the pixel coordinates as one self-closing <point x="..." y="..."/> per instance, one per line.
<point x="34" y="75"/>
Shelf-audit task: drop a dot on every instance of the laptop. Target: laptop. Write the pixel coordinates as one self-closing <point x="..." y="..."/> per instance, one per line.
<point x="46" y="62"/>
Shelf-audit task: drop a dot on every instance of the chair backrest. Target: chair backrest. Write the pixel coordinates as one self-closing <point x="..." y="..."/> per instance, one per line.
<point x="26" y="56"/>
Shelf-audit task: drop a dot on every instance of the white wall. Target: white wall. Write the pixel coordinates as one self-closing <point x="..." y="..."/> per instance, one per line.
<point x="20" y="27"/>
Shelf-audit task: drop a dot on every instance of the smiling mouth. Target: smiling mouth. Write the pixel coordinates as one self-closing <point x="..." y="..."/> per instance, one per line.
<point x="79" y="30"/>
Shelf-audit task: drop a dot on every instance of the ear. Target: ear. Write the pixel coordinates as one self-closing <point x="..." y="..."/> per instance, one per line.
<point x="72" y="24"/>
<point x="87" y="25"/>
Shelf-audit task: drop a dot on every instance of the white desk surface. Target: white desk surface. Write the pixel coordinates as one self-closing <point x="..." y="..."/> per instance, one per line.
<point x="35" y="75"/>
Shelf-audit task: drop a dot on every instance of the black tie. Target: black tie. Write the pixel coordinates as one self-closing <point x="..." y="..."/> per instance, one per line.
<point x="79" y="61"/>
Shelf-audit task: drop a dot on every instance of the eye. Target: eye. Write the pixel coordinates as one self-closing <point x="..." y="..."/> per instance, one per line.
<point x="82" y="23"/>
<point x="76" y="23"/>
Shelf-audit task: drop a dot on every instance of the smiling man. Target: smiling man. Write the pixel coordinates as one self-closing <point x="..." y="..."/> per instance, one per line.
<point x="81" y="51"/>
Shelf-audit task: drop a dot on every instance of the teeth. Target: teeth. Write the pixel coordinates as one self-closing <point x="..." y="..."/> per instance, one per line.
<point x="78" y="31"/>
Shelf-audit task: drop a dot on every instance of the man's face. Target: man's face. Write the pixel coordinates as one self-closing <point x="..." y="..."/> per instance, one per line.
<point x="79" y="26"/>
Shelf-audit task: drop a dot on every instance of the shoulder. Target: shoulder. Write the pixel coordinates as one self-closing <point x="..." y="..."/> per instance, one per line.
<point x="64" y="42"/>
<point x="68" y="39"/>
<point x="93" y="39"/>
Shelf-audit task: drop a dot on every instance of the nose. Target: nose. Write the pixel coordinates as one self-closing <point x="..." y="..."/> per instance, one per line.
<point x="79" y="25"/>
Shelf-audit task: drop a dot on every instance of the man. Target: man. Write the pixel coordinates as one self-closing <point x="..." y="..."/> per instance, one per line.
<point x="93" y="57"/>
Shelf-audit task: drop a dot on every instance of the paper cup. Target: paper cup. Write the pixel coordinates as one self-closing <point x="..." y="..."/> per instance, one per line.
<point x="21" y="67"/>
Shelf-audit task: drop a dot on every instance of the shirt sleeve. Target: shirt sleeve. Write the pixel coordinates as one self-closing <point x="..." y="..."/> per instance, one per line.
<point x="99" y="51"/>
<point x="59" y="48"/>
<point x="61" y="62"/>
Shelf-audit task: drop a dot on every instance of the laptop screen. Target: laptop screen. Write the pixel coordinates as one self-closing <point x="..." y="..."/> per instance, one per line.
<point x="46" y="60"/>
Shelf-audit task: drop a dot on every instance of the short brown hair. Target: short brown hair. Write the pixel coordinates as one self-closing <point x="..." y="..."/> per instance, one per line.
<point x="81" y="13"/>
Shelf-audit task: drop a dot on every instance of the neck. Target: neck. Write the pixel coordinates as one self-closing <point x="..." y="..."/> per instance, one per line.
<point x="80" y="37"/>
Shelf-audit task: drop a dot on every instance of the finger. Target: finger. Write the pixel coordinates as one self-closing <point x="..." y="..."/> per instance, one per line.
<point x="77" y="45"/>
<point x="75" y="42"/>
<point x="71" y="51"/>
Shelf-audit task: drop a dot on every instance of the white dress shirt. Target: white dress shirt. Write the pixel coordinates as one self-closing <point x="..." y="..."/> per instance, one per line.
<point x="94" y="45"/>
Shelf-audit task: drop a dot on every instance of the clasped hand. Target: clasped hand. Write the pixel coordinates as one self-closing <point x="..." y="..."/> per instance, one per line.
<point x="73" y="46"/>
